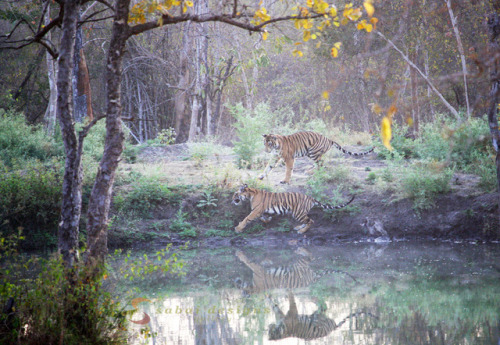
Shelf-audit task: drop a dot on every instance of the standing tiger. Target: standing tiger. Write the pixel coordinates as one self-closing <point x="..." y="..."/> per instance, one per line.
<point x="267" y="203"/>
<point x="300" y="144"/>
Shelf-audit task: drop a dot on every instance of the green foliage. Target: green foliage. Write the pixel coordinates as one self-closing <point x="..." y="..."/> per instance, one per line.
<point x="207" y="200"/>
<point x="324" y="176"/>
<point x="167" y="136"/>
<point x="422" y="183"/>
<point x="31" y="198"/>
<point x="371" y="178"/>
<point x="143" y="197"/>
<point x="162" y="262"/>
<point x="250" y="125"/>
<point x="20" y="142"/>
<point x="51" y="308"/>
<point x="181" y="225"/>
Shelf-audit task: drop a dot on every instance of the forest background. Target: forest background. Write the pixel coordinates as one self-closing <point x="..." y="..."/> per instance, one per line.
<point x="425" y="69"/>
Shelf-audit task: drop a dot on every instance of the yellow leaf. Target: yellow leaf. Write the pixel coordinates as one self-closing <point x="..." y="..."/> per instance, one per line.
<point x="318" y="44"/>
<point x="392" y="110"/>
<point x="337" y="45"/>
<point x="409" y="121"/>
<point x="297" y="43"/>
<point x="325" y="94"/>
<point x="189" y="3"/>
<point x="368" y="4"/>
<point x="307" y="36"/>
<point x="334" y="52"/>
<point x="264" y="35"/>
<point x="333" y="11"/>
<point x="328" y="107"/>
<point x="313" y="36"/>
<point x="368" y="27"/>
<point x="386" y="132"/>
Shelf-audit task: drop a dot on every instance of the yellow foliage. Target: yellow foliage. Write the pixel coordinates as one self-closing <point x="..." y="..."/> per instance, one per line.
<point x="334" y="52"/>
<point x="297" y="52"/>
<point x="386" y="132"/>
<point x="307" y="35"/>
<point x="325" y="94"/>
<point x="264" y="35"/>
<point x="368" y="4"/>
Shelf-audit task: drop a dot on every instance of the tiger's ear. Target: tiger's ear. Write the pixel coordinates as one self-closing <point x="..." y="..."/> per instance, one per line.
<point x="245" y="186"/>
<point x="264" y="135"/>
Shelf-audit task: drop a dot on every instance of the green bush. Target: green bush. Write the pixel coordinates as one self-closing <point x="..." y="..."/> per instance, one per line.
<point x="250" y="125"/>
<point x="31" y="198"/>
<point x="144" y="195"/>
<point x="20" y="142"/>
<point x="50" y="308"/>
<point x="182" y="226"/>
<point x="422" y="183"/>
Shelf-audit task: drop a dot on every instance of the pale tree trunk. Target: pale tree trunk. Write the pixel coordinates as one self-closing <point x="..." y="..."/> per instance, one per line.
<point x="183" y="84"/>
<point x="461" y="51"/>
<point x="72" y="183"/>
<point x="50" y="113"/>
<point x="200" y="60"/>
<point x="100" y="198"/>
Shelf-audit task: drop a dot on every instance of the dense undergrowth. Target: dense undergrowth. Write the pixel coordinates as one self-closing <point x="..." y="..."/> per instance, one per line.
<point x="31" y="165"/>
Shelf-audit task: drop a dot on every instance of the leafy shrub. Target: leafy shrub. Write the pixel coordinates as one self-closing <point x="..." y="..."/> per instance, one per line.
<point x="49" y="308"/>
<point x="20" y="142"/>
<point x="250" y="126"/>
<point x="423" y="183"/>
<point x="322" y="177"/>
<point x="31" y="198"/>
<point x="144" y="195"/>
<point x="167" y="136"/>
<point x="182" y="226"/>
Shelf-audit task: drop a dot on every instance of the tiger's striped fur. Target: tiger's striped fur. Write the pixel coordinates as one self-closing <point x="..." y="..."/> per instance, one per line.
<point x="266" y="203"/>
<point x="293" y="324"/>
<point x="300" y="144"/>
<point x="307" y="327"/>
<point x="297" y="274"/>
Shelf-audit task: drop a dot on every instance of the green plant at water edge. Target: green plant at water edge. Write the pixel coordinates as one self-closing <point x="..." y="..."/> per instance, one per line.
<point x="422" y="183"/>
<point x="182" y="226"/>
<point x="49" y="308"/>
<point x="371" y="178"/>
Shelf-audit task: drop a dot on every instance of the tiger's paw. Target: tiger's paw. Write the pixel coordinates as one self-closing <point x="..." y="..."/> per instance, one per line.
<point x="239" y="228"/>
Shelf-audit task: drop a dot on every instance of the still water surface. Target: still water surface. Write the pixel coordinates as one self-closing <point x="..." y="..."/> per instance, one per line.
<point x="358" y="293"/>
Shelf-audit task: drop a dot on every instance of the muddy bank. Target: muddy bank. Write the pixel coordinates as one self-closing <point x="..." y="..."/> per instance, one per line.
<point x="464" y="214"/>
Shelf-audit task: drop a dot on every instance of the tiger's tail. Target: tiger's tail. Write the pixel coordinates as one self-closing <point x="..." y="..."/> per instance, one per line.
<point x="331" y="207"/>
<point x="337" y="146"/>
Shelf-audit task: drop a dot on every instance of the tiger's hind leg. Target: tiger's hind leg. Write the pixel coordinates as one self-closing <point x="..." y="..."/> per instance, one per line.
<point x="306" y="224"/>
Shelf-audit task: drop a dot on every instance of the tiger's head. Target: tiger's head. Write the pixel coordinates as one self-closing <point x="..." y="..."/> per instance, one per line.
<point x="271" y="142"/>
<point x="277" y="331"/>
<point x="241" y="194"/>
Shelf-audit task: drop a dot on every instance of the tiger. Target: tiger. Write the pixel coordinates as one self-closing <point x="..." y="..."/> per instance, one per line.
<point x="266" y="203"/>
<point x="297" y="274"/>
<point x="307" y="327"/>
<point x="293" y="324"/>
<point x="288" y="147"/>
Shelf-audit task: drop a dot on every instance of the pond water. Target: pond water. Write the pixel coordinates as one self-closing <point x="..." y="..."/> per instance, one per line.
<point x="358" y="293"/>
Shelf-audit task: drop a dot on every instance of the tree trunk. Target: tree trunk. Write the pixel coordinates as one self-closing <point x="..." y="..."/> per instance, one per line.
<point x="182" y="85"/>
<point x="494" y="97"/>
<point x="100" y="198"/>
<point x="50" y="114"/>
<point x="72" y="183"/>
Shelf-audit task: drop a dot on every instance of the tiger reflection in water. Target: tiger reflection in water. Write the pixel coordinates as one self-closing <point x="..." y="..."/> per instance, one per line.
<point x="298" y="274"/>
<point x="307" y="327"/>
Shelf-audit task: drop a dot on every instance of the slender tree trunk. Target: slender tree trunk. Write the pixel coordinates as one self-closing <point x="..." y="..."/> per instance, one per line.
<point x="100" y="198"/>
<point x="183" y="84"/>
<point x="494" y="97"/>
<point x="461" y="51"/>
<point x="50" y="114"/>
<point x="414" y="91"/>
<point x="72" y="183"/>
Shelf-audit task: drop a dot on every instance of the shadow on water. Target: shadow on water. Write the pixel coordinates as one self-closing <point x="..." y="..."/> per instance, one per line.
<point x="397" y="293"/>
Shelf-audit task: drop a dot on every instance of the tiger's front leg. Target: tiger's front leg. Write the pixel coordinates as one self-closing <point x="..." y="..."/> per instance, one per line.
<point x="289" y="169"/>
<point x="270" y="166"/>
<point x="252" y="216"/>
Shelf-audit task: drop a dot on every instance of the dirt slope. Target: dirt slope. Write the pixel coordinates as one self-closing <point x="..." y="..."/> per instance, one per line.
<point x="379" y="214"/>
